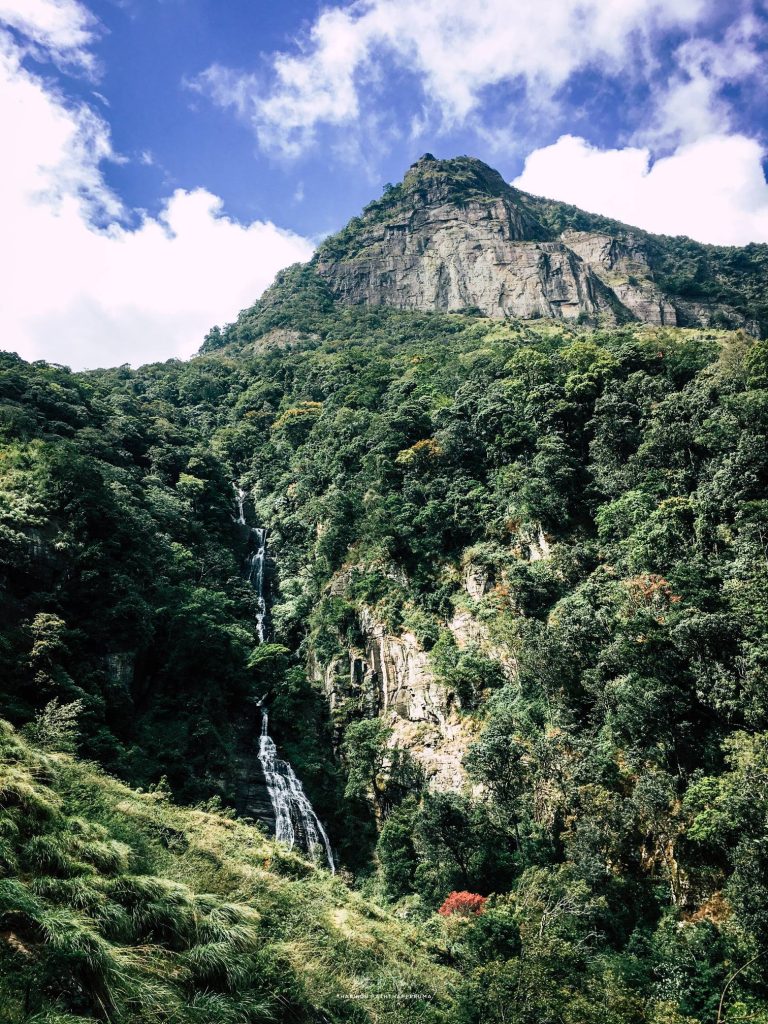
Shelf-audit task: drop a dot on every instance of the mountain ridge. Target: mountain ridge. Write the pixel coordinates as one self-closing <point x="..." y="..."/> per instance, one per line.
<point x="616" y="273"/>
<point x="453" y="235"/>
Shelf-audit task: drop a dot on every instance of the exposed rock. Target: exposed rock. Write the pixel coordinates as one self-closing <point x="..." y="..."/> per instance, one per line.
<point x="467" y="630"/>
<point x="393" y="677"/>
<point x="713" y="314"/>
<point x="470" y="631"/>
<point x="252" y="799"/>
<point x="477" y="581"/>
<point x="443" y="257"/>
<point x="279" y="338"/>
<point x="455" y="236"/>
<point x="402" y="672"/>
<point x="622" y="266"/>
<point x="439" y="751"/>
<point x="534" y="545"/>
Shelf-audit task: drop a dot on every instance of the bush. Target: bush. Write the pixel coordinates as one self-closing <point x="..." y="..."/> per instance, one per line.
<point x="463" y="904"/>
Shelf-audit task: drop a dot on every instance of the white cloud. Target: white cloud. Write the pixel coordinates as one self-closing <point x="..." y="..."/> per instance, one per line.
<point x="690" y="104"/>
<point x="709" y="182"/>
<point x="713" y="189"/>
<point x="457" y="49"/>
<point x="77" y="285"/>
<point x="64" y="28"/>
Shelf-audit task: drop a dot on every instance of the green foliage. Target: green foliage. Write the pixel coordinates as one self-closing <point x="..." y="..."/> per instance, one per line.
<point x="376" y="769"/>
<point x="55" y="728"/>
<point x="103" y="918"/>
<point x="572" y="523"/>
<point x="469" y="673"/>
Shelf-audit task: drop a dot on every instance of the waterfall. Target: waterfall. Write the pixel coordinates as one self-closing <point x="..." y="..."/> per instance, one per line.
<point x="240" y="498"/>
<point x="295" y="817"/>
<point x="256" y="578"/>
<point x="256" y="562"/>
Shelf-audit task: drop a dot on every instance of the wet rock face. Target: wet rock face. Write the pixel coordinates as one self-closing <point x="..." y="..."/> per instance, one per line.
<point x="400" y="669"/>
<point x="394" y="678"/>
<point x="252" y="798"/>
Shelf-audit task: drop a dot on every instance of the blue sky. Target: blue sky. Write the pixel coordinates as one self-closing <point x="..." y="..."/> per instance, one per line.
<point x="168" y="156"/>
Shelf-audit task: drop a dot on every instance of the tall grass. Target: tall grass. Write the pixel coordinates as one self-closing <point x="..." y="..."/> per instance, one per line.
<point x="121" y="907"/>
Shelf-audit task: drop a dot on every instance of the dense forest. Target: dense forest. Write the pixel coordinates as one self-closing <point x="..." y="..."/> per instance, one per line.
<point x="604" y="858"/>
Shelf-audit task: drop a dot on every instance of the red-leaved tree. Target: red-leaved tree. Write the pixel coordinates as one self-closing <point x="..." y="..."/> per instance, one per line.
<point x="463" y="903"/>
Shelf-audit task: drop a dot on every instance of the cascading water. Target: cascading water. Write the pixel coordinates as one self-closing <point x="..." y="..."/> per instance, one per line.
<point x="295" y="818"/>
<point x="256" y="578"/>
<point x="240" y="497"/>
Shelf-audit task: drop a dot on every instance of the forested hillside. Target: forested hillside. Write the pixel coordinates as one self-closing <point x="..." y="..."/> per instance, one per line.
<point x="515" y="576"/>
<point x="613" y="803"/>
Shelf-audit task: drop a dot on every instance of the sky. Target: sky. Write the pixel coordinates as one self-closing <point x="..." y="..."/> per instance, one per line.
<point x="162" y="159"/>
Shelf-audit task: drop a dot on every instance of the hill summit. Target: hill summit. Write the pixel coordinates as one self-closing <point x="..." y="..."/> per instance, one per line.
<point x="453" y="235"/>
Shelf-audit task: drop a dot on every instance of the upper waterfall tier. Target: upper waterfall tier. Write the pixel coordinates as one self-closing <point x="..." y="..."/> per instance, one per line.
<point x="257" y="578"/>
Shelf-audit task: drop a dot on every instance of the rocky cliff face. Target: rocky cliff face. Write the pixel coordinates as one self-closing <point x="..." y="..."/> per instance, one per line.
<point x="453" y="236"/>
<point x="393" y="675"/>
<point x="622" y="267"/>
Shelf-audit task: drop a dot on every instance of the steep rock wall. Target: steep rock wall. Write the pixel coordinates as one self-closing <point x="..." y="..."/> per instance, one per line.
<point x="393" y="676"/>
<point x="444" y="257"/>
<point x="454" y="235"/>
<point x="622" y="266"/>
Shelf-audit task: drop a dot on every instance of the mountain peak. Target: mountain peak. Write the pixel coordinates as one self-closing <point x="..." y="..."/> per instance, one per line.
<point x="457" y="178"/>
<point x="454" y="235"/>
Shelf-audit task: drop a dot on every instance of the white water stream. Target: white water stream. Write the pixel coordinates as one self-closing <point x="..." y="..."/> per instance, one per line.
<point x="295" y="818"/>
<point x="256" y="577"/>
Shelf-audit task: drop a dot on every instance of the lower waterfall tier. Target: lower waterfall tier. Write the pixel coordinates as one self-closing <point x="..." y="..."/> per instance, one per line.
<point x="270" y="791"/>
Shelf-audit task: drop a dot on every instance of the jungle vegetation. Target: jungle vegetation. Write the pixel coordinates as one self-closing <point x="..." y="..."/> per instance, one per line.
<point x="616" y="803"/>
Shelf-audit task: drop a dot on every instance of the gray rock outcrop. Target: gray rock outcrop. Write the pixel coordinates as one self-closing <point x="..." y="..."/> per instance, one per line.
<point x="480" y="255"/>
<point x="392" y="676"/>
<point x="455" y="236"/>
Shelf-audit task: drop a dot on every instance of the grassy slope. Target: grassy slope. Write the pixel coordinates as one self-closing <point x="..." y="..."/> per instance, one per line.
<point x="117" y="905"/>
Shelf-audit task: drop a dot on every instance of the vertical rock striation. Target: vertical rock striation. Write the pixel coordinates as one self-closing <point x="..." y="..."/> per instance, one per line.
<point x="455" y="236"/>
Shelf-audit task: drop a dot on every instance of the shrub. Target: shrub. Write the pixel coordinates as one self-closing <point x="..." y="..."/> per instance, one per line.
<point x="463" y="904"/>
<point x="55" y="727"/>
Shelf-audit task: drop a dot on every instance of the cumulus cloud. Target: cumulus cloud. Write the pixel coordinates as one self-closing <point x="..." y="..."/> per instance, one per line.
<point x="691" y="103"/>
<point x="62" y="27"/>
<point x="712" y="189"/>
<point x="78" y="286"/>
<point x="709" y="182"/>
<point x="456" y="49"/>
